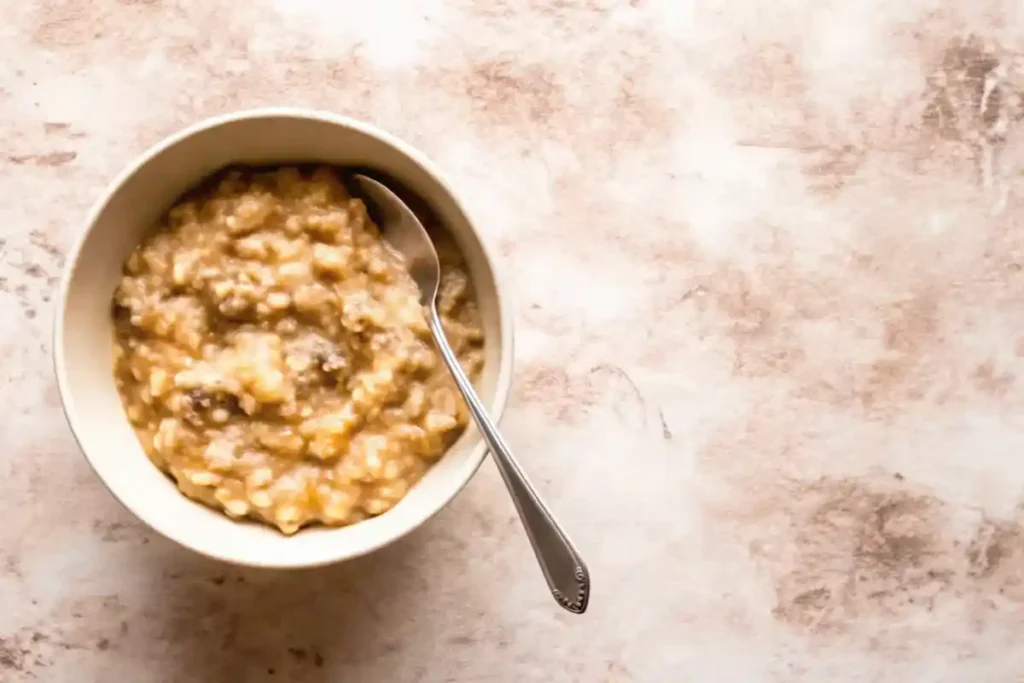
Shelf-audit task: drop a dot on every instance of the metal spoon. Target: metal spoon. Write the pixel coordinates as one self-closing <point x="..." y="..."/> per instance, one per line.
<point x="563" y="568"/>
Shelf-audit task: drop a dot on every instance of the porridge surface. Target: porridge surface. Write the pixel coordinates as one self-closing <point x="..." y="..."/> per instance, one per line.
<point x="273" y="357"/>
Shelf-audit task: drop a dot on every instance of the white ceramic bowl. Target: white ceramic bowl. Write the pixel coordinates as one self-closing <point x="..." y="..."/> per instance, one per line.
<point x="83" y="334"/>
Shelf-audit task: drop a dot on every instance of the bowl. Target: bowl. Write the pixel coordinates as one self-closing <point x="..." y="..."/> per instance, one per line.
<point x="83" y="332"/>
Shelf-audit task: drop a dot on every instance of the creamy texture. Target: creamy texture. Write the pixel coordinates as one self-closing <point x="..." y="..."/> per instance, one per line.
<point x="273" y="357"/>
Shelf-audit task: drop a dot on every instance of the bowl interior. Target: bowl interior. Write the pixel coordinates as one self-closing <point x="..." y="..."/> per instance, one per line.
<point x="84" y="332"/>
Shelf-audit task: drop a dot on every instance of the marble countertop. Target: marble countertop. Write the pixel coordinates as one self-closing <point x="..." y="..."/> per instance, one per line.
<point x="769" y="288"/>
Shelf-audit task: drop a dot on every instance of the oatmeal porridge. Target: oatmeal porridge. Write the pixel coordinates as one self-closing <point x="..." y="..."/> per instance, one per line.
<point x="273" y="358"/>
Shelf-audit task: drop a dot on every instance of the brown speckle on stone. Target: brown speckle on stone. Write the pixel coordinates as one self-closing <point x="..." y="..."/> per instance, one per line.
<point x="49" y="159"/>
<point x="859" y="550"/>
<point x="34" y="270"/>
<point x="508" y="91"/>
<point x="570" y="396"/>
<point x="41" y="241"/>
<point x="992" y="382"/>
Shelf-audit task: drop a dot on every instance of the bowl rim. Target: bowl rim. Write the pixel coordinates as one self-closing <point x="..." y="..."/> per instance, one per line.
<point x="503" y="376"/>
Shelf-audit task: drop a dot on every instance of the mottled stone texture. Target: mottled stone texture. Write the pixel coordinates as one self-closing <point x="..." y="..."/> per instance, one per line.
<point x="768" y="267"/>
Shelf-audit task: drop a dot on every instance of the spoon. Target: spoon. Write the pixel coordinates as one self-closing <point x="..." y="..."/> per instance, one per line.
<point x="563" y="568"/>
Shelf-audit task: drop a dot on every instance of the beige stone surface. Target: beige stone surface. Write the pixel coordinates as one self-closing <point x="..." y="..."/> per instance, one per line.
<point x="768" y="262"/>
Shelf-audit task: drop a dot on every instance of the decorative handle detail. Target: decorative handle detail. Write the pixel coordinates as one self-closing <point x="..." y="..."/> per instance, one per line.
<point x="578" y="604"/>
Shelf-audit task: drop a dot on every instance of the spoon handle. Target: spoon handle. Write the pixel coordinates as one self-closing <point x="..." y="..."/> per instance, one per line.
<point x="563" y="567"/>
